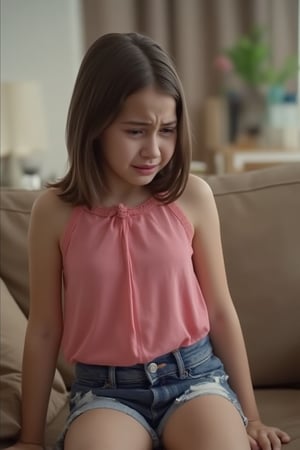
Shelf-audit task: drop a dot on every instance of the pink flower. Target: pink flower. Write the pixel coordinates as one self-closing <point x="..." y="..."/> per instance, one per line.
<point x="223" y="64"/>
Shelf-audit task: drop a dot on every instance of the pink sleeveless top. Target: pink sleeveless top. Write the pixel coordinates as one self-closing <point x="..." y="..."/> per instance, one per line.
<point x="130" y="290"/>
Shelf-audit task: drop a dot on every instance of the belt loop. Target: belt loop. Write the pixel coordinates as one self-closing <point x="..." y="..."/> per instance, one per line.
<point x="180" y="363"/>
<point x="112" y="376"/>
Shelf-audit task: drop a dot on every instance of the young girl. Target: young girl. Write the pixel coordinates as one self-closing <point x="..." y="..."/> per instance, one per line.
<point x="147" y="317"/>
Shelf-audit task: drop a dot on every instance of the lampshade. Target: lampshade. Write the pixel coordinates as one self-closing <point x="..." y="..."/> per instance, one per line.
<point x="23" y="128"/>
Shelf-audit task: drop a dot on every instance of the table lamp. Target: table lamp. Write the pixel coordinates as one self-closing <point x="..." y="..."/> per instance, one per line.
<point x="23" y="132"/>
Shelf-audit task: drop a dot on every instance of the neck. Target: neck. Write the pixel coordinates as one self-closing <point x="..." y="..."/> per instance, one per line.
<point x="131" y="199"/>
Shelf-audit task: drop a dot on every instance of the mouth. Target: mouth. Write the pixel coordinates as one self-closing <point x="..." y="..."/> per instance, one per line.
<point x="146" y="169"/>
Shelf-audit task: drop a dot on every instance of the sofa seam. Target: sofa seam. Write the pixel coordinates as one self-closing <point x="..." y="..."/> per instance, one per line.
<point x="254" y="189"/>
<point x="13" y="210"/>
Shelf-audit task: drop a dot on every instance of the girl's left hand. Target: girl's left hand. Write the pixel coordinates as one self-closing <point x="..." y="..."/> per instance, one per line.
<point x="262" y="437"/>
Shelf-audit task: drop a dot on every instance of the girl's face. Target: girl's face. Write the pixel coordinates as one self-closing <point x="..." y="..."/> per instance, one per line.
<point x="140" y="141"/>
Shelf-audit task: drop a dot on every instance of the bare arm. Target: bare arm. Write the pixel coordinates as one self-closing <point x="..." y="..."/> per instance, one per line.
<point x="226" y="331"/>
<point x="45" y="319"/>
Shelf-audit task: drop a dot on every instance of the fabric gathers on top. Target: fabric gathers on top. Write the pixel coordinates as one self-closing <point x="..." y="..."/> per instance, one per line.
<point x="130" y="290"/>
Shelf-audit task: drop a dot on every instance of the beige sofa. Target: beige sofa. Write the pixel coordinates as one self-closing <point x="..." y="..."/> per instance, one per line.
<point x="260" y="220"/>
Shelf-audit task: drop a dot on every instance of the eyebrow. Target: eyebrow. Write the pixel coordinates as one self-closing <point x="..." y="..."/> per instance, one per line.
<point x="144" y="123"/>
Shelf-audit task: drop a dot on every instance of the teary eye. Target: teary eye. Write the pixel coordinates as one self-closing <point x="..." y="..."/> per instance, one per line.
<point x="134" y="132"/>
<point x="168" y="130"/>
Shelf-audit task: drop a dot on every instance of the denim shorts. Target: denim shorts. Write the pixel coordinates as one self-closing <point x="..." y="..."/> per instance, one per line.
<point x="151" y="392"/>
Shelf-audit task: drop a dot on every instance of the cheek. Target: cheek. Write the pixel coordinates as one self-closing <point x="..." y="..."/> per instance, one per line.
<point x="111" y="147"/>
<point x="170" y="148"/>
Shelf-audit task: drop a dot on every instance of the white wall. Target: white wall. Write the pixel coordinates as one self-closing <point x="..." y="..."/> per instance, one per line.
<point x="42" y="40"/>
<point x="299" y="53"/>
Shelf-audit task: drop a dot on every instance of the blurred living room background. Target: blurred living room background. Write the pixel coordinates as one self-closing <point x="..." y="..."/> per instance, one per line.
<point x="238" y="61"/>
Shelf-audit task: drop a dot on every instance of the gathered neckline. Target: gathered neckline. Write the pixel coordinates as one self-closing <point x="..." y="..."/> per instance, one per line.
<point x="122" y="210"/>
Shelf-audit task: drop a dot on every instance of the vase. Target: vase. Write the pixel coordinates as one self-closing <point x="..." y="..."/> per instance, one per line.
<point x="253" y="109"/>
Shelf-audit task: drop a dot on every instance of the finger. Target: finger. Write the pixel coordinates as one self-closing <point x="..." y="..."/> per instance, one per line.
<point x="263" y="442"/>
<point x="253" y="443"/>
<point x="283" y="436"/>
<point x="275" y="441"/>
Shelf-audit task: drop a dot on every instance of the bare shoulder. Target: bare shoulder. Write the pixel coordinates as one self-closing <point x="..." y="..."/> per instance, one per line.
<point x="196" y="199"/>
<point x="51" y="211"/>
<point x="197" y="189"/>
<point x="48" y="204"/>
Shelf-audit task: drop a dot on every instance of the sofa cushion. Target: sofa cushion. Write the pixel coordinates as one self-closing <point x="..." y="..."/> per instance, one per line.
<point x="15" y="211"/>
<point x="13" y="328"/>
<point x="260" y="225"/>
<point x="280" y="408"/>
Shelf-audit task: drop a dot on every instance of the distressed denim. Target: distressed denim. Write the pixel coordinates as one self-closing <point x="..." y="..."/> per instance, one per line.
<point x="151" y="392"/>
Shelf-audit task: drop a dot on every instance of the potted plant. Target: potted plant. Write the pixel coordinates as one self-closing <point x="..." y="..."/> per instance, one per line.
<point x="249" y="60"/>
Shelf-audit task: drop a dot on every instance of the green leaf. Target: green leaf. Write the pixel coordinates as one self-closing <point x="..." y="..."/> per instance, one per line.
<point x="250" y="59"/>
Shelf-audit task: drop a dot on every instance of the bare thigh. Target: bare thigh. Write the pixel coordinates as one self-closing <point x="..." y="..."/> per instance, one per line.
<point x="106" y="429"/>
<point x="209" y="422"/>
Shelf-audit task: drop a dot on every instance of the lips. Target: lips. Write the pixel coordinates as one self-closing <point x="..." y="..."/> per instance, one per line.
<point x="145" y="169"/>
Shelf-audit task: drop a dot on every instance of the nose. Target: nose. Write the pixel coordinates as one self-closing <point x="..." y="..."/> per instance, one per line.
<point x="150" y="149"/>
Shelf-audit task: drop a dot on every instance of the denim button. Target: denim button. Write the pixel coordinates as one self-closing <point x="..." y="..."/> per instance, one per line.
<point x="152" y="367"/>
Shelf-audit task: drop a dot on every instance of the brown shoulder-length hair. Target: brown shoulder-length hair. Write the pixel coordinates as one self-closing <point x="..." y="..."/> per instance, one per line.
<point x="114" y="67"/>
